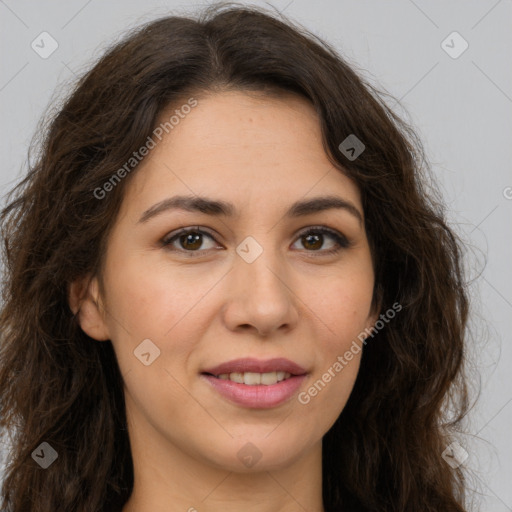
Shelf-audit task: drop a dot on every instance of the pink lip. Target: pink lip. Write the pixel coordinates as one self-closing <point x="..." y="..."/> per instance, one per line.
<point x="257" y="366"/>
<point x="258" y="396"/>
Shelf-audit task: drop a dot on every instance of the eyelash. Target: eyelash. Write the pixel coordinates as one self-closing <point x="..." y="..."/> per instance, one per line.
<point x="341" y="240"/>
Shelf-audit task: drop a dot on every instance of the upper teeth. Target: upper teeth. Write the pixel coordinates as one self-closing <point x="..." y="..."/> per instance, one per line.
<point x="253" y="379"/>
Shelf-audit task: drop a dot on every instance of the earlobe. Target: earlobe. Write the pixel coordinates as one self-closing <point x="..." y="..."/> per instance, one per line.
<point x="85" y="303"/>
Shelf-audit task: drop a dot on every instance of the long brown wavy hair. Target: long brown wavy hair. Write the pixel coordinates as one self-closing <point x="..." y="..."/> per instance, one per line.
<point x="384" y="452"/>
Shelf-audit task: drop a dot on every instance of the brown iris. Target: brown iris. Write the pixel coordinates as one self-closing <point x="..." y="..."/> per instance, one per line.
<point x="191" y="240"/>
<point x="312" y="241"/>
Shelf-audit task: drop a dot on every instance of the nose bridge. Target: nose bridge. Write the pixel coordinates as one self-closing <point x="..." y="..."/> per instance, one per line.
<point x="260" y="268"/>
<point x="258" y="293"/>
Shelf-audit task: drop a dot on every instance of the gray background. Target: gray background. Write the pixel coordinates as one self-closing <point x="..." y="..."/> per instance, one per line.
<point x="460" y="106"/>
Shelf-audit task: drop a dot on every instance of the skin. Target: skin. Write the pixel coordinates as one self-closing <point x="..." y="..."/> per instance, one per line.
<point x="294" y="301"/>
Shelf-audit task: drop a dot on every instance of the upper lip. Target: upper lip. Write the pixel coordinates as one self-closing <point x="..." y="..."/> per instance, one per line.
<point x="257" y="366"/>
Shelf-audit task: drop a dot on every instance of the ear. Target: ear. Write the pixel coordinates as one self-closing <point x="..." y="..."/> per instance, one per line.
<point x="86" y="303"/>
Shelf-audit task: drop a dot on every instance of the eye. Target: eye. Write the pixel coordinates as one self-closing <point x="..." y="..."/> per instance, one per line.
<point x="313" y="239"/>
<point x="189" y="240"/>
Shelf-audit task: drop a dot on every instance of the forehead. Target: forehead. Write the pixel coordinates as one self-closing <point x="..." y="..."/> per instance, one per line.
<point x="244" y="146"/>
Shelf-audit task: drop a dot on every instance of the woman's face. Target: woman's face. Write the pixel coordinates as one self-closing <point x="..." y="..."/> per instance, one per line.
<point x="256" y="279"/>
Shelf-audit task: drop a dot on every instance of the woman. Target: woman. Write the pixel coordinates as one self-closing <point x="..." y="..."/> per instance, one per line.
<point x="227" y="288"/>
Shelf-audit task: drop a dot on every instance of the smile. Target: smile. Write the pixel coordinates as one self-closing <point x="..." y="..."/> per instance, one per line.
<point x="254" y="379"/>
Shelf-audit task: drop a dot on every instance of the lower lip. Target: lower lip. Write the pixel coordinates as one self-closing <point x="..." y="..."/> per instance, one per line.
<point x="258" y="396"/>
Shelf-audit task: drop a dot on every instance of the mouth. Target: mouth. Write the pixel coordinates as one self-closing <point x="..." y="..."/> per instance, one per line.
<point x="256" y="384"/>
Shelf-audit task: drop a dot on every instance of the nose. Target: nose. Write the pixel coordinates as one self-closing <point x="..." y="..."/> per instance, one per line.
<point x="260" y="298"/>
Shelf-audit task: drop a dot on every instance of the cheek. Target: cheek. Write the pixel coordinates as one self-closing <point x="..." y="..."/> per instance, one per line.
<point x="344" y="306"/>
<point x="169" y="306"/>
<point x="339" y="356"/>
<point x="152" y="300"/>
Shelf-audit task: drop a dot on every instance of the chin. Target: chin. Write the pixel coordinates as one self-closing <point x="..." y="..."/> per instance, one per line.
<point x="257" y="451"/>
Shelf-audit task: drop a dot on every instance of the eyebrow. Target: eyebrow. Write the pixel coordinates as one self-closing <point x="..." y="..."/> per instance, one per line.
<point x="221" y="208"/>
